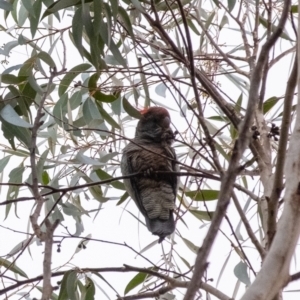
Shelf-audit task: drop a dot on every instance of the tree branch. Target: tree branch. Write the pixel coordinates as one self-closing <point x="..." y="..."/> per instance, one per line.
<point x="231" y="173"/>
<point x="282" y="145"/>
<point x="172" y="282"/>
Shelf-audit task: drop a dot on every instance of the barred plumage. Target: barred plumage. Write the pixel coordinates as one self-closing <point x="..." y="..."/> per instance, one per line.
<point x="150" y="151"/>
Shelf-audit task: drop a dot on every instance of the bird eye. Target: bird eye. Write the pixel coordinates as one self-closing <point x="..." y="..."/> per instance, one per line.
<point x="166" y="122"/>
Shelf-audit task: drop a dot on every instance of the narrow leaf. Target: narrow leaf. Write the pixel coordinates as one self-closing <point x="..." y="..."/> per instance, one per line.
<point x="63" y="294"/>
<point x="135" y="281"/>
<point x="44" y="56"/>
<point x="104" y="176"/>
<point x="203" y="195"/>
<point x="77" y="27"/>
<point x="268" y="104"/>
<point x="69" y="77"/>
<point x="5" y="5"/>
<point x="132" y="112"/>
<point x="12" y="267"/>
<point x="10" y="116"/>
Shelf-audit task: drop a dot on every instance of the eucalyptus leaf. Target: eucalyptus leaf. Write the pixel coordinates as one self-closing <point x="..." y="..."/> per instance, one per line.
<point x="12" y="267"/>
<point x="10" y="116"/>
<point x="241" y="272"/>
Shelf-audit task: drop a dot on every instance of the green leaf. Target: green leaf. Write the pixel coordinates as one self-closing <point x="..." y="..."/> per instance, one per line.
<point x="104" y="176"/>
<point x="3" y="162"/>
<point x="10" y="132"/>
<point x="75" y="100"/>
<point x="239" y="102"/>
<point x="203" y="195"/>
<point x="12" y="267"/>
<point x="222" y="152"/>
<point x="17" y="152"/>
<point x="82" y="243"/>
<point x="126" y="21"/>
<point x="60" y="109"/>
<point x="294" y="9"/>
<point x="202" y="215"/>
<point x="137" y="5"/>
<point x="28" y="5"/>
<point x="14" y="11"/>
<point x="104" y="97"/>
<point x="185" y="261"/>
<point x="10" y="116"/>
<point x="136" y="281"/>
<point x="123" y="198"/>
<point x="114" y="8"/>
<point x="111" y="45"/>
<point x="93" y="82"/>
<point x="116" y="53"/>
<point x="90" y="111"/>
<point x="223" y="22"/>
<point x="45" y="178"/>
<point x="83" y="159"/>
<point x="12" y="79"/>
<point x="94" y="190"/>
<point x="59" y="5"/>
<point x="8" y="47"/>
<point x="90" y="289"/>
<point x="15" y="176"/>
<point x="132" y="112"/>
<point x="107" y="27"/>
<point x="21" y="246"/>
<point x="190" y="245"/>
<point x="72" y="284"/>
<point x="207" y="24"/>
<point x="162" y="5"/>
<point x="34" y="84"/>
<point x="69" y="77"/>
<point x="35" y="17"/>
<point x="44" y="56"/>
<point x="231" y="4"/>
<point x="77" y="27"/>
<point x="5" y="5"/>
<point x="26" y="69"/>
<point x="107" y="117"/>
<point x="268" y="104"/>
<point x="28" y="94"/>
<point x="95" y="51"/>
<point x="63" y="294"/>
<point x="98" y="4"/>
<point x="241" y="272"/>
<point x="192" y="26"/>
<point x="40" y="165"/>
<point x="87" y="21"/>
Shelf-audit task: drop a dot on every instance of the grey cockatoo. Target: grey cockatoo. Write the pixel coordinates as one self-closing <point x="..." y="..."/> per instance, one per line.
<point x="150" y="151"/>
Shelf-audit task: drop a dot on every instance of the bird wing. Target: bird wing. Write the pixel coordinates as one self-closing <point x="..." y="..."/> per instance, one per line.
<point x="131" y="185"/>
<point x="153" y="193"/>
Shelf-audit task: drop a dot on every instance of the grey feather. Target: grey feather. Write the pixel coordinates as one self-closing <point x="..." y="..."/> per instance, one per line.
<point x="154" y="194"/>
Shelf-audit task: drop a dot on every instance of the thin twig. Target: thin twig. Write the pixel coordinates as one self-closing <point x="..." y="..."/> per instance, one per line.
<point x="248" y="228"/>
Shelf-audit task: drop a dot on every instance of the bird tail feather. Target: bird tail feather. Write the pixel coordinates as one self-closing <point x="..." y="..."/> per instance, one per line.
<point x="160" y="227"/>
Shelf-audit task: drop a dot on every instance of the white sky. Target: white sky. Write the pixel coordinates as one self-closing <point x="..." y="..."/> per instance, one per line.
<point x="114" y="224"/>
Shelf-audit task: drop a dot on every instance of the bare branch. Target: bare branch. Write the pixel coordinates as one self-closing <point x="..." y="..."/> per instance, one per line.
<point x="284" y="133"/>
<point x="172" y="282"/>
<point x="248" y="228"/>
<point x="231" y="173"/>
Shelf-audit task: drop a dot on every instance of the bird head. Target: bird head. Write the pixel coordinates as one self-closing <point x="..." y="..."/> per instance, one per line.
<point x="154" y="126"/>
